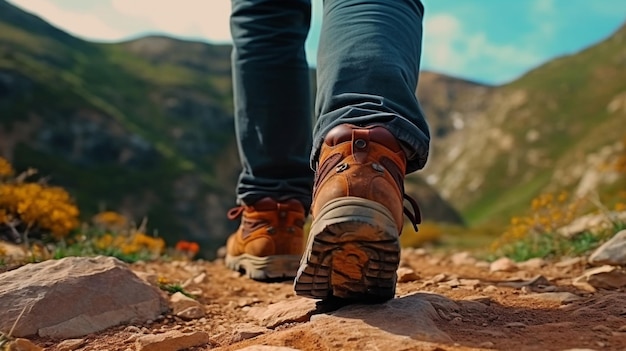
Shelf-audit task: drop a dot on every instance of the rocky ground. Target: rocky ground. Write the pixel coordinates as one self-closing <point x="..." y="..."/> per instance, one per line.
<point x="444" y="302"/>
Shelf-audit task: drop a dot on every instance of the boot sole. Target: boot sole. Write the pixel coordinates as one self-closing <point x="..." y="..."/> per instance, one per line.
<point x="352" y="253"/>
<point x="264" y="268"/>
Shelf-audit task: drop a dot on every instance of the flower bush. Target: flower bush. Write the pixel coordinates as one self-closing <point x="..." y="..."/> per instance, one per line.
<point x="34" y="209"/>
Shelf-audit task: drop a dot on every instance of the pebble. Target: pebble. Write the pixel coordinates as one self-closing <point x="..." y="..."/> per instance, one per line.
<point x="406" y="275"/>
<point x="602" y="328"/>
<point x="486" y="344"/>
<point x="503" y="264"/>
<point x="490" y="288"/>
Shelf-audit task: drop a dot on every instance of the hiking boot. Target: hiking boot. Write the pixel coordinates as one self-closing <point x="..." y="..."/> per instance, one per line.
<point x="353" y="250"/>
<point x="268" y="243"/>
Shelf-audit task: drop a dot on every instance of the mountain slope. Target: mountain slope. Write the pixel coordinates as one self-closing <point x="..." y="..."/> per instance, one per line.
<point x="121" y="131"/>
<point x="143" y="127"/>
<point x="535" y="134"/>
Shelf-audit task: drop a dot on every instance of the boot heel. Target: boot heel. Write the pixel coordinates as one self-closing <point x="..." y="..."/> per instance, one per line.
<point x="352" y="252"/>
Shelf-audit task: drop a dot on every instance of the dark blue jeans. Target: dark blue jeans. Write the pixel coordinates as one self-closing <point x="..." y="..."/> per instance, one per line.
<point x="367" y="72"/>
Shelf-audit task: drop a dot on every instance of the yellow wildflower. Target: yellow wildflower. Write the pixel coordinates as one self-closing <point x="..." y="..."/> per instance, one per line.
<point x="6" y="169"/>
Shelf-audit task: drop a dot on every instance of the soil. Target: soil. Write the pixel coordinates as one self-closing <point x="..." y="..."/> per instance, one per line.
<point x="510" y="321"/>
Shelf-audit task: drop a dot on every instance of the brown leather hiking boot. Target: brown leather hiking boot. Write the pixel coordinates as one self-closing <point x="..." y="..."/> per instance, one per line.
<point x="268" y="243"/>
<point x="353" y="250"/>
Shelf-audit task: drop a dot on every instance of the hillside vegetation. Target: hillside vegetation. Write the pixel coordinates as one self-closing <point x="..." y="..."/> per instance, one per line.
<point x="145" y="128"/>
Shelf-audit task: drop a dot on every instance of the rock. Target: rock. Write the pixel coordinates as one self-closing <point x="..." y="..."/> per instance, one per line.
<point x="469" y="283"/>
<point x="515" y="325"/>
<point x="406" y="275"/>
<point x="247" y="331"/>
<point x="171" y="341"/>
<point x="490" y="289"/>
<point x="560" y="297"/>
<point x="503" y="264"/>
<point x="613" y="252"/>
<point x="297" y="310"/>
<point x="602" y="328"/>
<point x="23" y="345"/>
<point x="70" y="344"/>
<point x="533" y="263"/>
<point x="74" y="296"/>
<point x="605" y="277"/>
<point x="12" y="252"/>
<point x="185" y="307"/>
<point x="592" y="222"/>
<point x="537" y="281"/>
<point x="200" y="278"/>
<point x="388" y="326"/>
<point x="462" y="258"/>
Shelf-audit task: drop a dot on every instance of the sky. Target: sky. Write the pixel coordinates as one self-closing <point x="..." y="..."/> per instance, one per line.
<point x="489" y="41"/>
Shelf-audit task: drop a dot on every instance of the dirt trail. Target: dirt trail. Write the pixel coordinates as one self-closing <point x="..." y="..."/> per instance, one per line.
<point x="508" y="319"/>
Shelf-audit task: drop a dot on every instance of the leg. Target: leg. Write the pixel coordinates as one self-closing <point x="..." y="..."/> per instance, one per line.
<point x="272" y="99"/>
<point x="370" y="133"/>
<point x="368" y="67"/>
<point x="273" y="125"/>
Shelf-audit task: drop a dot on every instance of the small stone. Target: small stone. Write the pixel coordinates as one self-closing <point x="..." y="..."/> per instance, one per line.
<point x="200" y="278"/>
<point x="247" y="331"/>
<point x="439" y="278"/>
<point x="605" y="277"/>
<point x="472" y="283"/>
<point x="171" y="341"/>
<point x="503" y="264"/>
<point x="602" y="328"/>
<point x="132" y="329"/>
<point x="193" y="312"/>
<point x="297" y="310"/>
<point x="515" y="325"/>
<point x="406" y="275"/>
<point x="490" y="289"/>
<point x="462" y="258"/>
<point x="486" y="344"/>
<point x="560" y="297"/>
<point x="533" y="263"/>
<point x="23" y="345"/>
<point x="186" y="307"/>
<point x="613" y="252"/>
<point x="70" y="344"/>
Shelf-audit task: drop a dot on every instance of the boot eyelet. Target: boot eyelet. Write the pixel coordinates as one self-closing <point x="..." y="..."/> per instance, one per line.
<point x="342" y="167"/>
<point x="360" y="143"/>
<point x="271" y="230"/>
<point x="282" y="214"/>
<point x="378" y="167"/>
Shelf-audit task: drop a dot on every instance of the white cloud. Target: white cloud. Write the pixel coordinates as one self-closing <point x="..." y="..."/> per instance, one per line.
<point x="86" y="25"/>
<point x="189" y="18"/>
<point x="449" y="47"/>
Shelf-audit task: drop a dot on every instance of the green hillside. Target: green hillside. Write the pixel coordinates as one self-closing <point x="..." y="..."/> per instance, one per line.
<point x="121" y="125"/>
<point x="540" y="133"/>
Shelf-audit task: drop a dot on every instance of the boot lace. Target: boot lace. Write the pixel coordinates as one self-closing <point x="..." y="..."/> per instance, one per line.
<point x="413" y="214"/>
